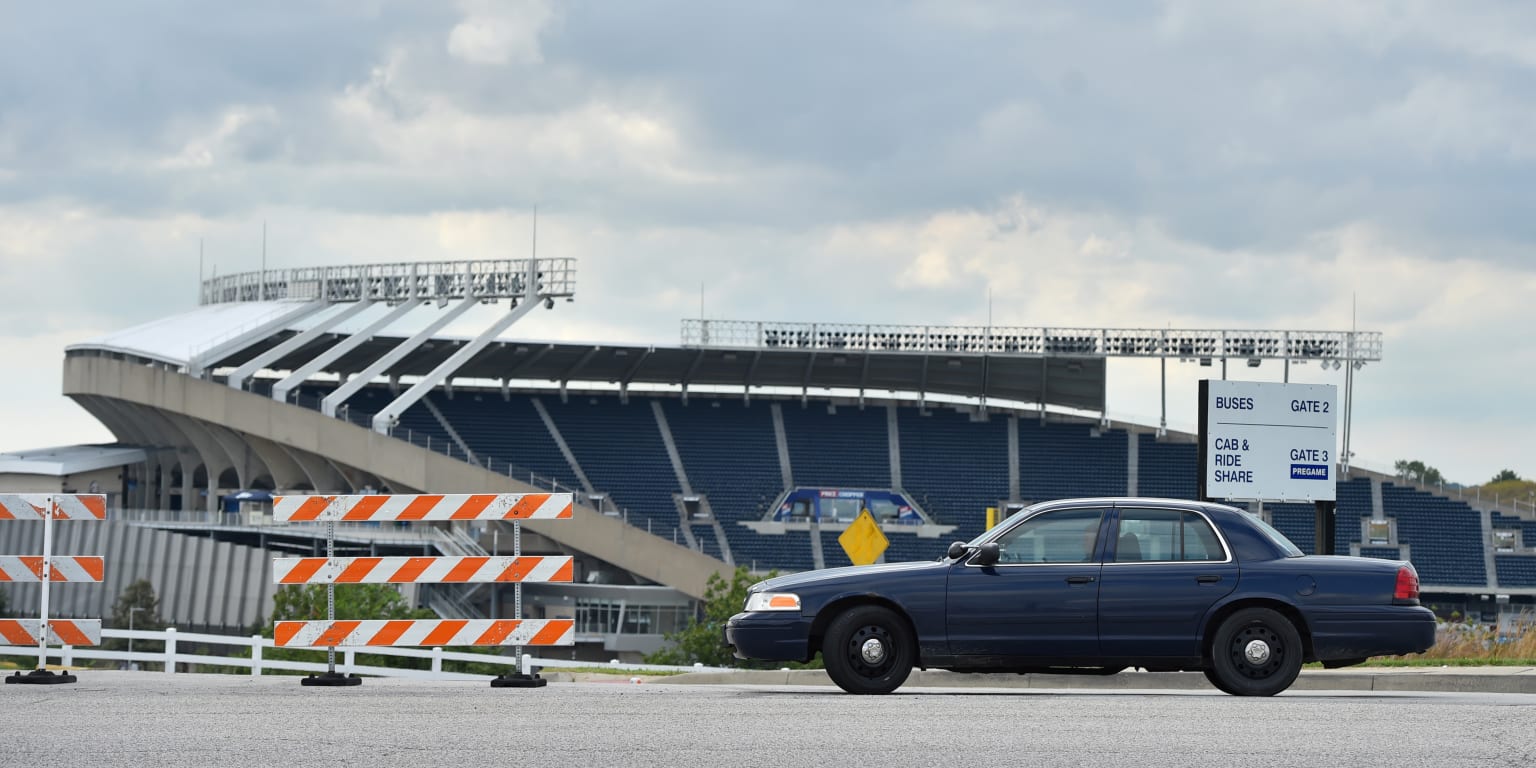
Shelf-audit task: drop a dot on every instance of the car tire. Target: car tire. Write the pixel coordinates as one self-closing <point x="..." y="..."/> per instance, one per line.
<point x="1255" y="652"/>
<point x="868" y="649"/>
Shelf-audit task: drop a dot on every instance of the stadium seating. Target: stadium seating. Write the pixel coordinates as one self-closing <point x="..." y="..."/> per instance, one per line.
<point x="953" y="466"/>
<point x="619" y="447"/>
<point x="1516" y="570"/>
<point x="508" y="430"/>
<point x="1445" y="536"/>
<point x="1059" y="461"/>
<point x="1166" y="469"/>
<point x="728" y="448"/>
<point x="848" y="448"/>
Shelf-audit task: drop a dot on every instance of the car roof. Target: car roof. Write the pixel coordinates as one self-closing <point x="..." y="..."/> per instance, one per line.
<point x="1134" y="501"/>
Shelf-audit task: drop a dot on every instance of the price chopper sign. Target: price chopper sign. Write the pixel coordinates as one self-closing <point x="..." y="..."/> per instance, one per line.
<point x="1267" y="441"/>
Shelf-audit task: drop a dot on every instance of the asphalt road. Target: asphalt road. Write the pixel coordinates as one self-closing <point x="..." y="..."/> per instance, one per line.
<point x="120" y="718"/>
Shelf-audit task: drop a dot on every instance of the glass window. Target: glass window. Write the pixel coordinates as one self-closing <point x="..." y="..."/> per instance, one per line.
<point x="1165" y="535"/>
<point x="1276" y="537"/>
<point x="1060" y="536"/>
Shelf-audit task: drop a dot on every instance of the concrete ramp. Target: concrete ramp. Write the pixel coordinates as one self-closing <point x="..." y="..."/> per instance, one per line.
<point x="98" y="380"/>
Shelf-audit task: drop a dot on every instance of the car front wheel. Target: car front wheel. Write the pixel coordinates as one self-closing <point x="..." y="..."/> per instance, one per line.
<point x="868" y="649"/>
<point x="1255" y="652"/>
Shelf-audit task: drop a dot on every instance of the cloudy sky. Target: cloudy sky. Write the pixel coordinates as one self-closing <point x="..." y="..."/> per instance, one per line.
<point x="1193" y="164"/>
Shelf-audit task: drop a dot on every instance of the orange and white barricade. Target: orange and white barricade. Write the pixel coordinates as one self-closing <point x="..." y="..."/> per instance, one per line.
<point x="516" y="570"/>
<point x="47" y="569"/>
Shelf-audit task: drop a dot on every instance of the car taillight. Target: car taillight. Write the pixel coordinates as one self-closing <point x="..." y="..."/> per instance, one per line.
<point x="1407" y="584"/>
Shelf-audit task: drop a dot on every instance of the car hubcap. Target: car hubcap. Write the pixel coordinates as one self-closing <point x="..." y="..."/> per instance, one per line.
<point x="873" y="651"/>
<point x="870" y="651"/>
<point x="1257" y="652"/>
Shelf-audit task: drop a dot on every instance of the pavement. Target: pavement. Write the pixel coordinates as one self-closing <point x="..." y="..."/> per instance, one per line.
<point x="1430" y="679"/>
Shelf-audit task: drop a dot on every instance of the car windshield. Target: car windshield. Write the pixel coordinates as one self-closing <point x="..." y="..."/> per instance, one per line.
<point x="1277" y="537"/>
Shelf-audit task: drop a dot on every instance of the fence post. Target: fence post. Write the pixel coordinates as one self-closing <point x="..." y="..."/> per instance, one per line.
<point x="437" y="658"/>
<point x="349" y="660"/>
<point x="256" y="655"/>
<point x="67" y="656"/>
<point x="170" y="650"/>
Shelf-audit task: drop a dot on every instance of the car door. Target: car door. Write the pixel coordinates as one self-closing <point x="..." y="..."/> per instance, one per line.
<point x="1163" y="569"/>
<point x="1040" y="600"/>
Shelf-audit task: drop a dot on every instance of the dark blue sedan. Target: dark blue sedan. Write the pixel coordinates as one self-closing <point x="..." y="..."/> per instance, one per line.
<point x="1094" y="586"/>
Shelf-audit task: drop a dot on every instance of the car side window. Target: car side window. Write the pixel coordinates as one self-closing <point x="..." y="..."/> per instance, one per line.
<point x="1059" y="536"/>
<point x="1165" y="535"/>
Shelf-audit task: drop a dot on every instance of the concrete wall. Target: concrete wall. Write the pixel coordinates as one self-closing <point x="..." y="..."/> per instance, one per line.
<point x="404" y="467"/>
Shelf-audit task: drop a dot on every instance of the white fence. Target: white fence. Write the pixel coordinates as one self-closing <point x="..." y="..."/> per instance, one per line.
<point x="257" y="645"/>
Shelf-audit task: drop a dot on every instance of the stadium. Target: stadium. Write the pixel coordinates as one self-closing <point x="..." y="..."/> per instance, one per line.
<point x="746" y="444"/>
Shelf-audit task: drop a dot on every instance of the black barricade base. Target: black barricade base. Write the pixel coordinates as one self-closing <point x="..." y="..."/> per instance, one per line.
<point x="519" y="681"/>
<point x="331" y="680"/>
<point x="40" y="677"/>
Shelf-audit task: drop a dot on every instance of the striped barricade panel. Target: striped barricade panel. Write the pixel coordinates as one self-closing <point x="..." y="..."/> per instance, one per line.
<point x="420" y="570"/>
<point x="60" y="631"/>
<point x="453" y="506"/>
<point x="34" y="506"/>
<point x="408" y="632"/>
<point x="76" y="568"/>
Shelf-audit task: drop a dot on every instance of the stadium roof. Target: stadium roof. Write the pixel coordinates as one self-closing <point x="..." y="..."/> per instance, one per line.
<point x="1072" y="382"/>
<point x="68" y="460"/>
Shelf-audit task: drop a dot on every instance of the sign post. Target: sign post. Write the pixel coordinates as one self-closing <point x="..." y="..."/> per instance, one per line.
<point x="1263" y="441"/>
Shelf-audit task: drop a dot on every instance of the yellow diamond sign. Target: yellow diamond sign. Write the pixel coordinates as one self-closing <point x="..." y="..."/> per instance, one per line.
<point x="864" y="541"/>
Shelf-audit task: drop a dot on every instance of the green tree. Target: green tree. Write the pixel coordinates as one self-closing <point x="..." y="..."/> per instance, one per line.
<point x="703" y="641"/>
<point x="1418" y="471"/>
<point x="1504" y="475"/>
<point x="353" y="601"/>
<point x="137" y="607"/>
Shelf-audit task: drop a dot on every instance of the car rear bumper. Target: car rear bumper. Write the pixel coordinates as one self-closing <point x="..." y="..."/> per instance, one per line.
<point x="1359" y="632"/>
<point x="768" y="636"/>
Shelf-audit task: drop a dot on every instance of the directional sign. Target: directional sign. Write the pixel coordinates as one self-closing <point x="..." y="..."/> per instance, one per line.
<point x="864" y="541"/>
<point x="1275" y="442"/>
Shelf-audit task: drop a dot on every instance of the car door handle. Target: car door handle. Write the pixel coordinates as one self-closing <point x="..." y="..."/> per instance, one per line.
<point x="1081" y="579"/>
<point x="1207" y="579"/>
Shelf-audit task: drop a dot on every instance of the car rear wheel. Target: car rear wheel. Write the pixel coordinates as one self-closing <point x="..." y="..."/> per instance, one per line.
<point x="868" y="649"/>
<point x="1255" y="652"/>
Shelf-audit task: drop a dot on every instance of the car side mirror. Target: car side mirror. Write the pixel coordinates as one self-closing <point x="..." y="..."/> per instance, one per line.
<point x="957" y="550"/>
<point x="987" y="554"/>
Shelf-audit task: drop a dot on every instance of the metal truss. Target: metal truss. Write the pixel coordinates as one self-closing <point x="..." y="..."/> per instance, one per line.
<point x="1356" y="346"/>
<point x="443" y="281"/>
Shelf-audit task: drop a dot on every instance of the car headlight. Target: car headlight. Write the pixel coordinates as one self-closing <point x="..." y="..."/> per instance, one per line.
<point x="772" y="601"/>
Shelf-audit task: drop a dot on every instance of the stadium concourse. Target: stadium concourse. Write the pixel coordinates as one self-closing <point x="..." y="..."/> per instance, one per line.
<point x="685" y="457"/>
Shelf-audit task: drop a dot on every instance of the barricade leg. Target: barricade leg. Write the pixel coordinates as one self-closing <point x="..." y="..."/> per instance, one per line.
<point x="330" y="678"/>
<point x="525" y="677"/>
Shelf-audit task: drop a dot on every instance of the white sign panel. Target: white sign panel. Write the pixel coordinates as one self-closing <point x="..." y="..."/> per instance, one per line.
<point x="1271" y="441"/>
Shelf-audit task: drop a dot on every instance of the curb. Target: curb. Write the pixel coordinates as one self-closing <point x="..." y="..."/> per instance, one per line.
<point x="1482" y="680"/>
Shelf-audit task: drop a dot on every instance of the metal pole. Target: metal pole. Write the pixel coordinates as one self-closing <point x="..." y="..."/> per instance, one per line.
<point x="330" y="594"/>
<point x="1162" y="424"/>
<point x="47" y="576"/>
<point x="517" y="593"/>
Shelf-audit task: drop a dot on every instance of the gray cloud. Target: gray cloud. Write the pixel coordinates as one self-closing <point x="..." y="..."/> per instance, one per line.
<point x="1124" y="163"/>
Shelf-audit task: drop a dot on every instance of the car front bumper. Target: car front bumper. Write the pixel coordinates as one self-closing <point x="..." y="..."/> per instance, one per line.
<point x="770" y="636"/>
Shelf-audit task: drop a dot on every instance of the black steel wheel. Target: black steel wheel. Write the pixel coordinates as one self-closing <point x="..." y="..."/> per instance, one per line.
<point x="1255" y="652"/>
<point x="868" y="649"/>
